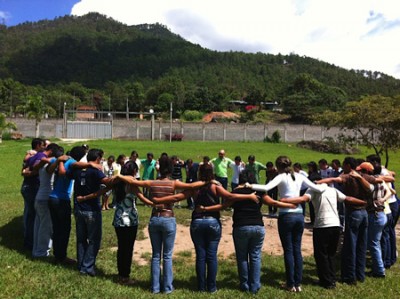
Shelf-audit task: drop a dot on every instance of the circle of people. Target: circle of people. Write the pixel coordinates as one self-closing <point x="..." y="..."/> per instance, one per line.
<point x="355" y="198"/>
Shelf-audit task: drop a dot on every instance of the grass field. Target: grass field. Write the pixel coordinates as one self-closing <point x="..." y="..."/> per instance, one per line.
<point x="23" y="277"/>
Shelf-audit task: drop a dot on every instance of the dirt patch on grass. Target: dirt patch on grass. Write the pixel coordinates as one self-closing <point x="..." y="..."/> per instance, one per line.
<point x="183" y="242"/>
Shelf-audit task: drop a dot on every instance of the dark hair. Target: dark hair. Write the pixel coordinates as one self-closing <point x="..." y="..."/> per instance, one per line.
<point x="269" y="164"/>
<point x="238" y="158"/>
<point x="283" y="164"/>
<point x="188" y="161"/>
<point x="134" y="153"/>
<point x="54" y="148"/>
<point x="336" y="161"/>
<point x="36" y="142"/>
<point x="166" y="166"/>
<point x="111" y="157"/>
<point x="377" y="169"/>
<point x="206" y="172"/>
<point x="121" y="158"/>
<point x="374" y="159"/>
<point x="322" y="161"/>
<point x="150" y="155"/>
<point x="252" y="158"/>
<point x="359" y="161"/>
<point x="77" y="153"/>
<point x="313" y="166"/>
<point x="129" y="168"/>
<point x="246" y="177"/>
<point x="206" y="158"/>
<point x="60" y="152"/>
<point x="352" y="162"/>
<point x="297" y="165"/>
<point x="94" y="154"/>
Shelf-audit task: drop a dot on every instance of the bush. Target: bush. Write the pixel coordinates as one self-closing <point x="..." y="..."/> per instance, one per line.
<point x="192" y="115"/>
<point x="275" y="138"/>
<point x="174" y="137"/>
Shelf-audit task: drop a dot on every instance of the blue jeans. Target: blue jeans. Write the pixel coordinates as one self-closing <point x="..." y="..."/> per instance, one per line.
<point x="376" y="223"/>
<point x="29" y="194"/>
<point x="354" y="246"/>
<point x="290" y="228"/>
<point x="248" y="242"/>
<point x="223" y="181"/>
<point x="88" y="239"/>
<point x="394" y="208"/>
<point x="206" y="234"/>
<point x="162" y="231"/>
<point x="60" y="211"/>
<point x="385" y="243"/>
<point x="43" y="230"/>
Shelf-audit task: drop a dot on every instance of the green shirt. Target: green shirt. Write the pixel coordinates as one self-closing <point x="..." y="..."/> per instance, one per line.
<point x="221" y="166"/>
<point x="254" y="170"/>
<point x="148" y="169"/>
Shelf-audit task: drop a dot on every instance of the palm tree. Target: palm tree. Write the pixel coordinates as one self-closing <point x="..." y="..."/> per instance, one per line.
<point x="35" y="108"/>
<point x="5" y="125"/>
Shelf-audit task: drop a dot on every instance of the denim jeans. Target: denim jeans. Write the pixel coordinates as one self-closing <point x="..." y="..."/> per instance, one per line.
<point x="376" y="223"/>
<point x="385" y="243"/>
<point x="88" y="239"/>
<point x="394" y="207"/>
<point x="206" y="234"/>
<point x="354" y="246"/>
<point x="60" y="211"/>
<point x="43" y="230"/>
<point x="29" y="194"/>
<point x="248" y="242"/>
<point x="290" y="228"/>
<point x="162" y="231"/>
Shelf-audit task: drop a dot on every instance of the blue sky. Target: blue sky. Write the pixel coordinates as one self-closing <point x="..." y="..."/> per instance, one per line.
<point x="13" y="12"/>
<point x="354" y="34"/>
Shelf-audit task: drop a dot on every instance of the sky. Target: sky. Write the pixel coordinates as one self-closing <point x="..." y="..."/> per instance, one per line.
<point x="353" y="34"/>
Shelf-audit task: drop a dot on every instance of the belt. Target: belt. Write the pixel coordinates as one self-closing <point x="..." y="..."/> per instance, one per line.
<point x="204" y="217"/>
<point x="162" y="213"/>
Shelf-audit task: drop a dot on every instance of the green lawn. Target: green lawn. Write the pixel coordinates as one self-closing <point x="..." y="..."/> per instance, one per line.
<point x="22" y="277"/>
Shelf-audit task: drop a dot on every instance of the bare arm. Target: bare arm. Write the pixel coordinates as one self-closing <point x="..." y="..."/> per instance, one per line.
<point x="233" y="197"/>
<point x="269" y="201"/>
<point x="141" y="196"/>
<point x="330" y="180"/>
<point x="297" y="200"/>
<point x="173" y="198"/>
<point x="355" y="201"/>
<point x="133" y="181"/>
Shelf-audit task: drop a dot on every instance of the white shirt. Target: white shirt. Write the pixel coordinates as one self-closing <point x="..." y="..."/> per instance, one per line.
<point x="287" y="188"/>
<point x="237" y="169"/>
<point x="325" y="206"/>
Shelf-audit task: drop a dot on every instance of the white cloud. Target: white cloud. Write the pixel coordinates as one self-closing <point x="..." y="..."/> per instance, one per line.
<point x="358" y="34"/>
<point x="4" y="16"/>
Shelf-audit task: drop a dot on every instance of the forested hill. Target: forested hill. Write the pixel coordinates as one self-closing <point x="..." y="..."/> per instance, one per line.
<point x="100" y="53"/>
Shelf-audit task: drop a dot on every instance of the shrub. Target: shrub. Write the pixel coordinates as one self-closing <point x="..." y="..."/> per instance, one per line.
<point x="192" y="115"/>
<point x="174" y="137"/>
<point x="275" y="138"/>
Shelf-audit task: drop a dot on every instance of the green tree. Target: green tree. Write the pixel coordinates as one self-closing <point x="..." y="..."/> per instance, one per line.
<point x="374" y="120"/>
<point x="36" y="109"/>
<point x="5" y="125"/>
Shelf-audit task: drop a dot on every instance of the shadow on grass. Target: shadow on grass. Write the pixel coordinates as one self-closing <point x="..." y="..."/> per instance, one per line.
<point x="11" y="236"/>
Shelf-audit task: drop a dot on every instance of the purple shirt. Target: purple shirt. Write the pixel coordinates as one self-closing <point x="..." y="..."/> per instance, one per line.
<point x="32" y="161"/>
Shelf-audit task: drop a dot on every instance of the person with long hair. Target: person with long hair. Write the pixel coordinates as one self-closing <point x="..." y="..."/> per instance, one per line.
<point x="290" y="220"/>
<point x="248" y="231"/>
<point x="126" y="220"/>
<point x="205" y="228"/>
<point x="162" y="225"/>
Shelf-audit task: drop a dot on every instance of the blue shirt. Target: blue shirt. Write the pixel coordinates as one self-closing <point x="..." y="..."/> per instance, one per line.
<point x="62" y="187"/>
